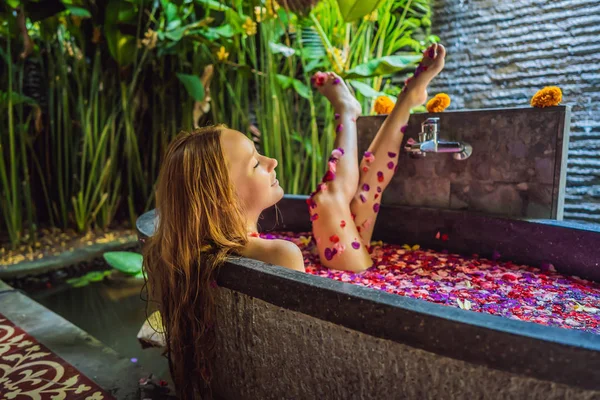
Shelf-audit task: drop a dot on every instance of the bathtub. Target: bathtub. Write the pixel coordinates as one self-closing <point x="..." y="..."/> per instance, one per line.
<point x="286" y="334"/>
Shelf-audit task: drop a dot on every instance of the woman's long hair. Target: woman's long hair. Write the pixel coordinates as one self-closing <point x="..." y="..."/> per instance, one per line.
<point x="200" y="224"/>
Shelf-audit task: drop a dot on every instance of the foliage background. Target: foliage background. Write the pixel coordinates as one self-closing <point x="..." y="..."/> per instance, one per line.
<point x="93" y="91"/>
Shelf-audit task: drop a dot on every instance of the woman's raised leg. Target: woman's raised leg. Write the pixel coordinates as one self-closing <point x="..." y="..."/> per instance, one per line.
<point x="380" y="161"/>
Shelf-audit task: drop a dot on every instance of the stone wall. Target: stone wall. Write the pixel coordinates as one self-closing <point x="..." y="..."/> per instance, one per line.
<point x="517" y="167"/>
<point x="501" y="52"/>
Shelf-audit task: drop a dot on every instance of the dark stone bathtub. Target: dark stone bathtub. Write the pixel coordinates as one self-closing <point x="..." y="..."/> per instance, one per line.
<point x="286" y="334"/>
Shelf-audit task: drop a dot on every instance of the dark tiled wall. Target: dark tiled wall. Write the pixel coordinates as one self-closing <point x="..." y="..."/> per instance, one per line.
<point x="501" y="52"/>
<point x="516" y="169"/>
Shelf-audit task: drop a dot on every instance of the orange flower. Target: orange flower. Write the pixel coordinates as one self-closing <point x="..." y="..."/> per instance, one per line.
<point x="439" y="103"/>
<point x="547" y="97"/>
<point x="383" y="105"/>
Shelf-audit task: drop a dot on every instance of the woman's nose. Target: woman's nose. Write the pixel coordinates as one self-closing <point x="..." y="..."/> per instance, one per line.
<point x="273" y="163"/>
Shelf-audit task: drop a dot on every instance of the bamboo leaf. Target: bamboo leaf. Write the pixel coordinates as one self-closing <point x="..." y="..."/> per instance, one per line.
<point x="16" y="99"/>
<point x="127" y="262"/>
<point x="352" y="10"/>
<point x="284" y="81"/>
<point x="382" y="66"/>
<point x="367" y="90"/>
<point x="193" y="85"/>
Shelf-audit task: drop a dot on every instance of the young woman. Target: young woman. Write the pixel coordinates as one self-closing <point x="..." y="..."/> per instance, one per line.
<point x="212" y="188"/>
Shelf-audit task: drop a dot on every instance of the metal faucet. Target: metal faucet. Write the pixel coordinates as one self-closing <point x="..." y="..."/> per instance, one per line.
<point x="429" y="143"/>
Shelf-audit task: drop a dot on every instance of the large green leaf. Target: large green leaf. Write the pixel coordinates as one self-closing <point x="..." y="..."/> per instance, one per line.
<point x="122" y="47"/>
<point x="225" y="31"/>
<point x="78" y="11"/>
<point x="193" y="85"/>
<point x="16" y="98"/>
<point x="169" y="9"/>
<point x="352" y="10"/>
<point x="127" y="262"/>
<point x="382" y="66"/>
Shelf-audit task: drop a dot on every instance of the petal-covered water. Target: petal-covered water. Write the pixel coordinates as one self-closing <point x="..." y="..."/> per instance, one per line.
<point x="473" y="283"/>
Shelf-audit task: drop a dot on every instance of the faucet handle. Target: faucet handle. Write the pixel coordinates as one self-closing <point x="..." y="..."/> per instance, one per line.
<point x="429" y="129"/>
<point x="430" y="125"/>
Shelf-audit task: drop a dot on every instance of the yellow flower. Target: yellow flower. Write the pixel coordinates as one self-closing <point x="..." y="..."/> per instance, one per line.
<point x="259" y="13"/>
<point x="547" y="97"/>
<point x="272" y="7"/>
<point x="338" y="59"/>
<point x="305" y="240"/>
<point x="411" y="248"/>
<point x="150" y="39"/>
<point x="383" y="105"/>
<point x="439" y="103"/>
<point x="249" y="26"/>
<point x="371" y="17"/>
<point x="222" y="54"/>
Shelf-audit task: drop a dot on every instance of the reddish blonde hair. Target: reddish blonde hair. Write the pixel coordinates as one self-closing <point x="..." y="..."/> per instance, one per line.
<point x="200" y="224"/>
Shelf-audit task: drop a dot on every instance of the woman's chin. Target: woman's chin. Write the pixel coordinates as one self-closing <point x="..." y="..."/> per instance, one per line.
<point x="279" y="194"/>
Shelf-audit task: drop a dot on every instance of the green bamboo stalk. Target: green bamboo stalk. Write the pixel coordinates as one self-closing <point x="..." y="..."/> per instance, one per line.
<point x="26" y="181"/>
<point x="10" y="203"/>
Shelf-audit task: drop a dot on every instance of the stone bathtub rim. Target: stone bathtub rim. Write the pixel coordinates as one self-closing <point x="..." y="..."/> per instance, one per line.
<point x="526" y="348"/>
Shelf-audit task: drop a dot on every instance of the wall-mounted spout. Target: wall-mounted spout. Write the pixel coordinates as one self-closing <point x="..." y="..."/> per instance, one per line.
<point x="429" y="143"/>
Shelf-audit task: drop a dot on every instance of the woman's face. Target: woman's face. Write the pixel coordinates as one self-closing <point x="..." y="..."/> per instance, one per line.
<point x="252" y="174"/>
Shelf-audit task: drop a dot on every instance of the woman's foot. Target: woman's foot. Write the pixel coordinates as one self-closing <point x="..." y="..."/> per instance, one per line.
<point x="415" y="89"/>
<point x="334" y="88"/>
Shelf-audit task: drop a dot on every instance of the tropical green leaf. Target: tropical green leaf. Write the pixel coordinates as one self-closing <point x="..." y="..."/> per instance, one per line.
<point x="301" y="89"/>
<point x="78" y="11"/>
<point x="210" y="33"/>
<point x="84" y="280"/>
<point x="352" y="10"/>
<point x="170" y="10"/>
<point x="96" y="276"/>
<point x="382" y="66"/>
<point x="193" y="85"/>
<point x="122" y="47"/>
<point x="127" y="262"/>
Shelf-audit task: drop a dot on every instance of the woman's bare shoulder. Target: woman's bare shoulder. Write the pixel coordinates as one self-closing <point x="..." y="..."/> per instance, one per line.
<point x="275" y="251"/>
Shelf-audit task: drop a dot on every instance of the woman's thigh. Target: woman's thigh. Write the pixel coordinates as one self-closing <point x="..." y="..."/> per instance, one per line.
<point x="338" y="240"/>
